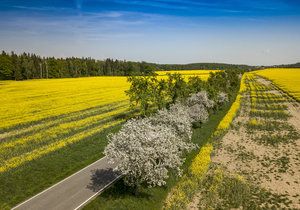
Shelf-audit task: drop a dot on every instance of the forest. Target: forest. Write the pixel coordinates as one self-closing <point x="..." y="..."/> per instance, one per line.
<point x="31" y="66"/>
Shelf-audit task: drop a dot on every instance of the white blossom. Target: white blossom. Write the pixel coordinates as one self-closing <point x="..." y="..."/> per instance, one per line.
<point x="145" y="152"/>
<point x="200" y="98"/>
<point x="198" y="113"/>
<point x="178" y="118"/>
<point x="222" y="98"/>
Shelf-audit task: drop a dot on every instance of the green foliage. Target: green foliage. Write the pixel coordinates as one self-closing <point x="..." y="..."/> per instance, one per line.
<point x="212" y="66"/>
<point x="177" y="88"/>
<point x="6" y="66"/>
<point x="147" y="92"/>
<point x="31" y="66"/>
<point x="151" y="93"/>
<point x="226" y="81"/>
<point x="195" y="84"/>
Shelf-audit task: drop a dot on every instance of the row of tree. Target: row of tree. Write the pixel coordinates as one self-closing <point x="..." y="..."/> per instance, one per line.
<point x="294" y="65"/>
<point x="151" y="93"/>
<point x="209" y="66"/>
<point x="147" y="149"/>
<point x="31" y="66"/>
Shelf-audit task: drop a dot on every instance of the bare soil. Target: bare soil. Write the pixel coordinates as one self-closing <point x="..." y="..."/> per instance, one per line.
<point x="272" y="168"/>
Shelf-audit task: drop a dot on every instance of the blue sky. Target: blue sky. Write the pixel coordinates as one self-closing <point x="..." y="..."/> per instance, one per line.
<point x="257" y="32"/>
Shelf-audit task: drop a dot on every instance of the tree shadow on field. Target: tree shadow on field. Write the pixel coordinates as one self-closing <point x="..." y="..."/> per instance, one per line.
<point x="120" y="190"/>
<point x="126" y="115"/>
<point x="100" y="178"/>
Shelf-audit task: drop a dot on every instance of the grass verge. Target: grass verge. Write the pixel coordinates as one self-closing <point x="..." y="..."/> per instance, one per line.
<point x="29" y="179"/>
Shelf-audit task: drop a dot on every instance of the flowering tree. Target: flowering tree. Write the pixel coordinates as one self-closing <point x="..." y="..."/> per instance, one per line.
<point x="176" y="117"/>
<point x="198" y="104"/>
<point x="198" y="113"/>
<point x="222" y="98"/>
<point x="146" y="149"/>
<point x="145" y="152"/>
<point x="200" y="98"/>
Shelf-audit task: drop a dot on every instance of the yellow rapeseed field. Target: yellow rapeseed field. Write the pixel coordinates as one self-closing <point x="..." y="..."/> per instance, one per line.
<point x="42" y="116"/>
<point x="203" y="74"/>
<point x="33" y="100"/>
<point x="285" y="78"/>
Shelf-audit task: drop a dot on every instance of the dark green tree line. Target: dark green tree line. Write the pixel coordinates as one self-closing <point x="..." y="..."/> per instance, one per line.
<point x="31" y="66"/>
<point x="205" y="66"/>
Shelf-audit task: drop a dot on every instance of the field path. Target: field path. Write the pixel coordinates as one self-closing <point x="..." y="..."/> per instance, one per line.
<point x="256" y="163"/>
<point x="76" y="190"/>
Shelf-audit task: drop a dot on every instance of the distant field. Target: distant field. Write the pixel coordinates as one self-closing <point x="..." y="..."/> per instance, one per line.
<point x="286" y="79"/>
<point x="203" y="74"/>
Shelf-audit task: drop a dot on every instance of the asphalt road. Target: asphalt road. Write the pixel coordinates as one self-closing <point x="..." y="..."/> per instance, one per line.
<point x="74" y="191"/>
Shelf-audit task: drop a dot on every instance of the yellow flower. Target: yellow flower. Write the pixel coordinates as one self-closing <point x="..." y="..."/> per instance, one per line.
<point x="42" y="116"/>
<point x="227" y="120"/>
<point x="201" y="163"/>
<point x="34" y="100"/>
<point x="203" y="74"/>
<point x="285" y="78"/>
